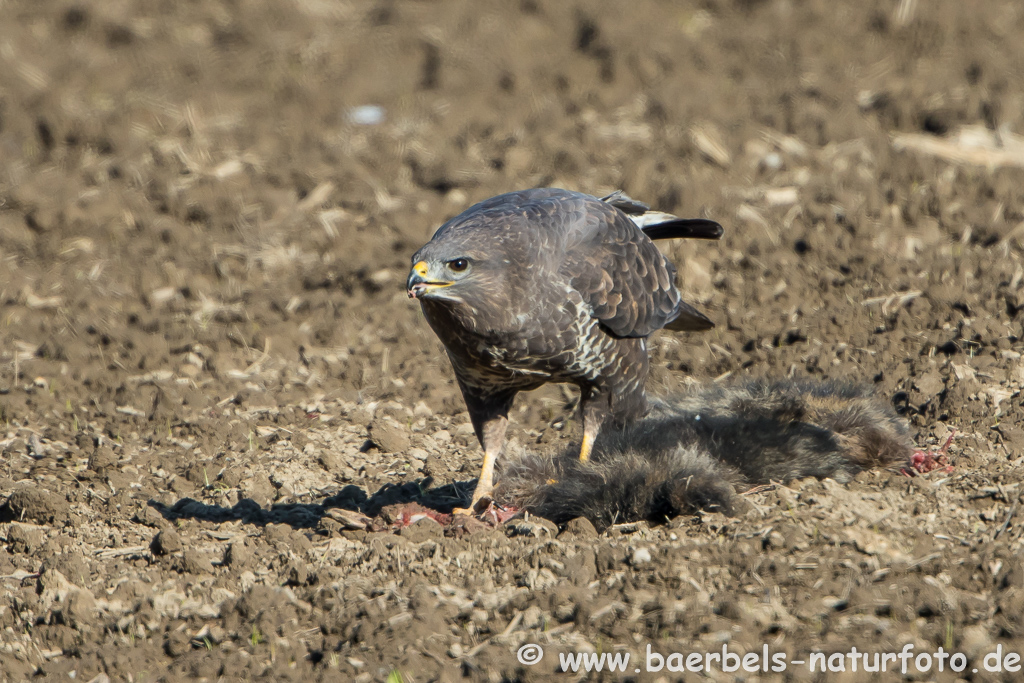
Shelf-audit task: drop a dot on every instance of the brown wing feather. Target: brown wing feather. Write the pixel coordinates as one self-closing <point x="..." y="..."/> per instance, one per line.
<point x="628" y="283"/>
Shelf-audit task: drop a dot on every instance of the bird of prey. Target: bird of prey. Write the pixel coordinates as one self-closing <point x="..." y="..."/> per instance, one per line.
<point x="548" y="285"/>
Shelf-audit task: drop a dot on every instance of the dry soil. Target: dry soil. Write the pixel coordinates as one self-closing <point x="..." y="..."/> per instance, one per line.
<point x="209" y="367"/>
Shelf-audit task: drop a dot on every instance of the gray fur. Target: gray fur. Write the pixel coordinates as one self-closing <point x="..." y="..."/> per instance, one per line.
<point x="692" y="450"/>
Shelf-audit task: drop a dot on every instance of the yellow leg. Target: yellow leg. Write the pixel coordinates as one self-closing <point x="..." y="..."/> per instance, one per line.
<point x="589" y="436"/>
<point x="494" y="441"/>
<point x="484" y="488"/>
<point x="485" y="484"/>
<point x="593" y="406"/>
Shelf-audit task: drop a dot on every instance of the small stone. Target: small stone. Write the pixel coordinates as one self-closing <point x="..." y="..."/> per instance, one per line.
<point x="975" y="642"/>
<point x="150" y="517"/>
<point x="565" y="612"/>
<point x="189" y="370"/>
<point x="231" y="477"/>
<point x="1014" y="577"/>
<point x="70" y="564"/>
<point x="86" y="442"/>
<point x="298" y="573"/>
<point x="196" y="562"/>
<point x="79" y="607"/>
<point x="366" y="115"/>
<point x="435" y="467"/>
<point x="101" y="459"/>
<point x="36" y="505"/>
<point x="15" y="446"/>
<point x="260" y="489"/>
<point x="537" y="527"/>
<point x="640" y="556"/>
<point x="583" y="567"/>
<point x="166" y="542"/>
<point x="465" y="429"/>
<point x="388" y="436"/>
<point x="930" y="384"/>
<point x="24" y="538"/>
<point x="581" y="527"/>
<point x="873" y="543"/>
<point x="533" y="617"/>
<point x="425" y="529"/>
<point x="331" y="461"/>
<point x="199" y="474"/>
<point x="177" y="643"/>
<point x="181" y="486"/>
<point x="238" y="554"/>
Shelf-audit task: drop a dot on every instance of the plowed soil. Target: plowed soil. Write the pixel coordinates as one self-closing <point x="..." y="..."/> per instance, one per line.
<point x="208" y="363"/>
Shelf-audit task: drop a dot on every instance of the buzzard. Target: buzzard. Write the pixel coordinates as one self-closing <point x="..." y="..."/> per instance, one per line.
<point x="548" y="285"/>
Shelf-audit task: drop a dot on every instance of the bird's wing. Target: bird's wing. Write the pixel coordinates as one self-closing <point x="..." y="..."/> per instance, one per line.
<point x="628" y="284"/>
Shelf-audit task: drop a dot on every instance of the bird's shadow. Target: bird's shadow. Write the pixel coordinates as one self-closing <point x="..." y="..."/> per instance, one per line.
<point x="308" y="515"/>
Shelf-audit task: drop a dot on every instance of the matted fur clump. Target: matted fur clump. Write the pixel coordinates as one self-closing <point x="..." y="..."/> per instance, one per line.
<point x="692" y="451"/>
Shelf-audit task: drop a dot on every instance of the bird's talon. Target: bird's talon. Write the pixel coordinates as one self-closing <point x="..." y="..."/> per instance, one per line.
<point x="476" y="507"/>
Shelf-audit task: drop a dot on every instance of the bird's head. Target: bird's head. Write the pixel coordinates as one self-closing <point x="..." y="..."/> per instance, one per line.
<point x="471" y="264"/>
<point x="439" y="276"/>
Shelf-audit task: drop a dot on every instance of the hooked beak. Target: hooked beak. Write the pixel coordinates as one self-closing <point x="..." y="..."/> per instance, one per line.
<point x="418" y="285"/>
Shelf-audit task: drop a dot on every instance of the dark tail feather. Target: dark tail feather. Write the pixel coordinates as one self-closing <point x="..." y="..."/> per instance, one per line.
<point x="689" y="320"/>
<point x="685" y="228"/>
<point x="663" y="226"/>
<point x="692" y="451"/>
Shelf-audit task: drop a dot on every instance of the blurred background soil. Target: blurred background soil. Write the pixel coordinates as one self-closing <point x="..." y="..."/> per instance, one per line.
<point x="206" y="216"/>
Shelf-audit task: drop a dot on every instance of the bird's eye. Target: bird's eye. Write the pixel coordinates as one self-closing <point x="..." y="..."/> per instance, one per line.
<point x="458" y="265"/>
